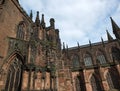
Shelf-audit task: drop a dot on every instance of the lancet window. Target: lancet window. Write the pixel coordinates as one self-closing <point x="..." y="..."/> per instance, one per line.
<point x="88" y="60"/>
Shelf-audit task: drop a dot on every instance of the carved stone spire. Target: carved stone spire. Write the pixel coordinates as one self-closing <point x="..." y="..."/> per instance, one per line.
<point x="114" y="25"/>
<point x="43" y="21"/>
<point x="90" y="43"/>
<point x="116" y="29"/>
<point x="110" y="38"/>
<point x="37" y="21"/>
<point x="102" y="42"/>
<point x="63" y="47"/>
<point x="31" y="14"/>
<point x="67" y="50"/>
<point x="78" y="45"/>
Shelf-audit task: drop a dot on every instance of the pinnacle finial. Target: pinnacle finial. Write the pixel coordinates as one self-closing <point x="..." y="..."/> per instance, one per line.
<point x="78" y="45"/>
<point x="90" y="43"/>
<point x="114" y="25"/>
<point x="63" y="51"/>
<point x="37" y="21"/>
<point x="63" y="45"/>
<point x="43" y="21"/>
<point x="109" y="36"/>
<point x="31" y="14"/>
<point x="67" y="53"/>
<point x="66" y="46"/>
<point x="102" y="41"/>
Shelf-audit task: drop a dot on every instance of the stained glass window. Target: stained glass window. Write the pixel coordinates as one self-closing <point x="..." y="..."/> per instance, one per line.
<point x="101" y="59"/>
<point x="88" y="60"/>
<point x="75" y="61"/>
<point x="20" y="31"/>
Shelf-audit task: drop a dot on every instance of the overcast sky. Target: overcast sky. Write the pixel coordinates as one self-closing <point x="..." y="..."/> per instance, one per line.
<point x="77" y="20"/>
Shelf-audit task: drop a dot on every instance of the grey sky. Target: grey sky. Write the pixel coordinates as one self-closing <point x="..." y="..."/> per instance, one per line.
<point x="78" y="20"/>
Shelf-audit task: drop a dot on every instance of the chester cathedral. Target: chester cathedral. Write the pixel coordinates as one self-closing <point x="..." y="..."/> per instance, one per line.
<point x="32" y="57"/>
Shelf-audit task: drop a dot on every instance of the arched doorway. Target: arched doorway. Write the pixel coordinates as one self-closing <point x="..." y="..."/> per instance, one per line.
<point x="113" y="79"/>
<point x="95" y="83"/>
<point x="80" y="83"/>
<point x="14" y="74"/>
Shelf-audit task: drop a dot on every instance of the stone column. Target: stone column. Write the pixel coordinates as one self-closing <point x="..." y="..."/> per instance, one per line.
<point x="104" y="81"/>
<point x="50" y="82"/>
<point x="12" y="79"/>
<point x="29" y="79"/>
<point x="8" y="80"/>
<point x="118" y="68"/>
<point x="34" y="77"/>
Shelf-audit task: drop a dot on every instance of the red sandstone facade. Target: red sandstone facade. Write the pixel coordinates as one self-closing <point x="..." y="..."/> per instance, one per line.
<point x="31" y="58"/>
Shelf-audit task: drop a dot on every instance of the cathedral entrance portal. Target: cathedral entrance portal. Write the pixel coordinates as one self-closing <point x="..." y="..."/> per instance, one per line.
<point x="14" y="75"/>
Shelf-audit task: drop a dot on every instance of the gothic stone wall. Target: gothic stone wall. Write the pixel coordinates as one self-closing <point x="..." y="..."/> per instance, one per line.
<point x="10" y="16"/>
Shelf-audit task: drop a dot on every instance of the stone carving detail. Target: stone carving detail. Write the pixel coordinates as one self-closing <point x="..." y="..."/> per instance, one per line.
<point x="14" y="75"/>
<point x="19" y="45"/>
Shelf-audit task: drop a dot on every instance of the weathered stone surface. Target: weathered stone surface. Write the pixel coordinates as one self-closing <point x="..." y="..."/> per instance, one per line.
<point x="31" y="58"/>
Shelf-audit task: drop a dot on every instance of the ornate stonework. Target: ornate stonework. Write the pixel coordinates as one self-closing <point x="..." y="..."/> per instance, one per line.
<point x="31" y="57"/>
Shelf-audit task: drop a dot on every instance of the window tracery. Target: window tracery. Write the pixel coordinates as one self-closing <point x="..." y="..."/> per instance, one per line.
<point x="101" y="58"/>
<point x="88" y="60"/>
<point x="13" y="76"/>
<point x="115" y="53"/>
<point x="75" y="61"/>
<point x="20" y="31"/>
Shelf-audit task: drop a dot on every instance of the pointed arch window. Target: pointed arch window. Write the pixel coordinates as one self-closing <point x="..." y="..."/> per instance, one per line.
<point x="115" y="53"/>
<point x="80" y="83"/>
<point x="77" y="84"/>
<point x="112" y="78"/>
<point x="88" y="60"/>
<point x="101" y="58"/>
<point x="109" y="80"/>
<point x="95" y="84"/>
<point x="20" y="31"/>
<point x="8" y="80"/>
<point x="14" y="76"/>
<point x="75" y="61"/>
